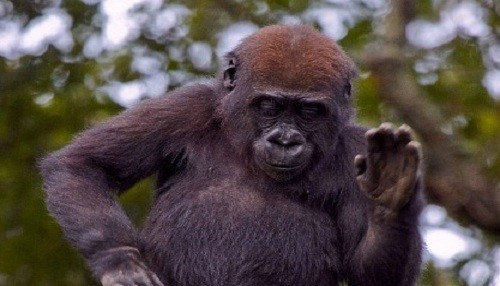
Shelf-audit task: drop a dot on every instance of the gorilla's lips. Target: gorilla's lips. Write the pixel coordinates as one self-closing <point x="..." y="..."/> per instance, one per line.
<point x="284" y="167"/>
<point x="280" y="171"/>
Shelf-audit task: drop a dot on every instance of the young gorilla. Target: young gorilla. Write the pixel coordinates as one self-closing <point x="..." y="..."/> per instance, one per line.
<point x="258" y="179"/>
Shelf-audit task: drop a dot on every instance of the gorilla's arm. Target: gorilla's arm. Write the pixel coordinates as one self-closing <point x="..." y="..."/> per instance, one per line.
<point x="82" y="179"/>
<point x="389" y="252"/>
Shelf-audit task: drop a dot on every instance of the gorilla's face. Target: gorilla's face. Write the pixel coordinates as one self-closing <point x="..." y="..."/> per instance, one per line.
<point x="286" y="123"/>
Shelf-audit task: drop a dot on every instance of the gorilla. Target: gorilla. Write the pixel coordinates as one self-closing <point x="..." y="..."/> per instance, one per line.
<point x="263" y="178"/>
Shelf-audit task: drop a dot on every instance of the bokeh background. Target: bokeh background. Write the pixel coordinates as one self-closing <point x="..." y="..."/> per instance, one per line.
<point x="434" y="64"/>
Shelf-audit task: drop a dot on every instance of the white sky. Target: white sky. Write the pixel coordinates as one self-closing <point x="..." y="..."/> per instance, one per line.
<point x="445" y="244"/>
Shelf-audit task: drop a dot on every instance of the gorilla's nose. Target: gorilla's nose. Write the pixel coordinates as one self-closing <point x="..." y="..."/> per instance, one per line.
<point x="288" y="138"/>
<point x="289" y="141"/>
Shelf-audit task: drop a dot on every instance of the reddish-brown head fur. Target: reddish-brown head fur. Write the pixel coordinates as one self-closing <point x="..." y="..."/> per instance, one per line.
<point x="295" y="58"/>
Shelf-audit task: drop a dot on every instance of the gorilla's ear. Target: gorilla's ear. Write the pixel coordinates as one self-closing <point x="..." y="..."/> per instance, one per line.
<point x="230" y="72"/>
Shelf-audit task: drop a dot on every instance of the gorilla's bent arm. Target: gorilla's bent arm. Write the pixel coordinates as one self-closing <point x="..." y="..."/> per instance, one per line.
<point x="389" y="175"/>
<point x="82" y="179"/>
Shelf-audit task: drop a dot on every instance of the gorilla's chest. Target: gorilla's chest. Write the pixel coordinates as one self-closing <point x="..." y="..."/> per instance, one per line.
<point x="225" y="235"/>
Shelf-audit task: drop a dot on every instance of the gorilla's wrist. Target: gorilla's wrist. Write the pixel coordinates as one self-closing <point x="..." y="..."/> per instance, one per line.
<point x="112" y="259"/>
<point x="406" y="215"/>
<point x="382" y="213"/>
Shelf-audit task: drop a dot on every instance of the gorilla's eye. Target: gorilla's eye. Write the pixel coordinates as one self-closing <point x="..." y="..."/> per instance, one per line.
<point x="270" y="107"/>
<point x="311" y="111"/>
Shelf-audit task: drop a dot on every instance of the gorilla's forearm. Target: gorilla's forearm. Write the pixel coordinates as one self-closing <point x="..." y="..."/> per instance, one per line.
<point x="390" y="251"/>
<point x="80" y="197"/>
<point x="389" y="175"/>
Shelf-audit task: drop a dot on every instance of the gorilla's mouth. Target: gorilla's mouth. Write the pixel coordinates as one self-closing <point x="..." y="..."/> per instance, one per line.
<point x="282" y="172"/>
<point x="282" y="162"/>
<point x="284" y="167"/>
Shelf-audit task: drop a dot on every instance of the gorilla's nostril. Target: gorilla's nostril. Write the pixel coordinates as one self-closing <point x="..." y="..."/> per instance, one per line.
<point x="295" y="149"/>
<point x="288" y="139"/>
<point x="284" y="142"/>
<point x="292" y="144"/>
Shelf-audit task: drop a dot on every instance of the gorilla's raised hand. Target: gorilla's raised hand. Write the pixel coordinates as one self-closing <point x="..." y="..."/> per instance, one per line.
<point x="390" y="169"/>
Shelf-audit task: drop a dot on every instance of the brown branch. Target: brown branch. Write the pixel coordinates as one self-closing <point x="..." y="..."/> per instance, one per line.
<point x="452" y="180"/>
